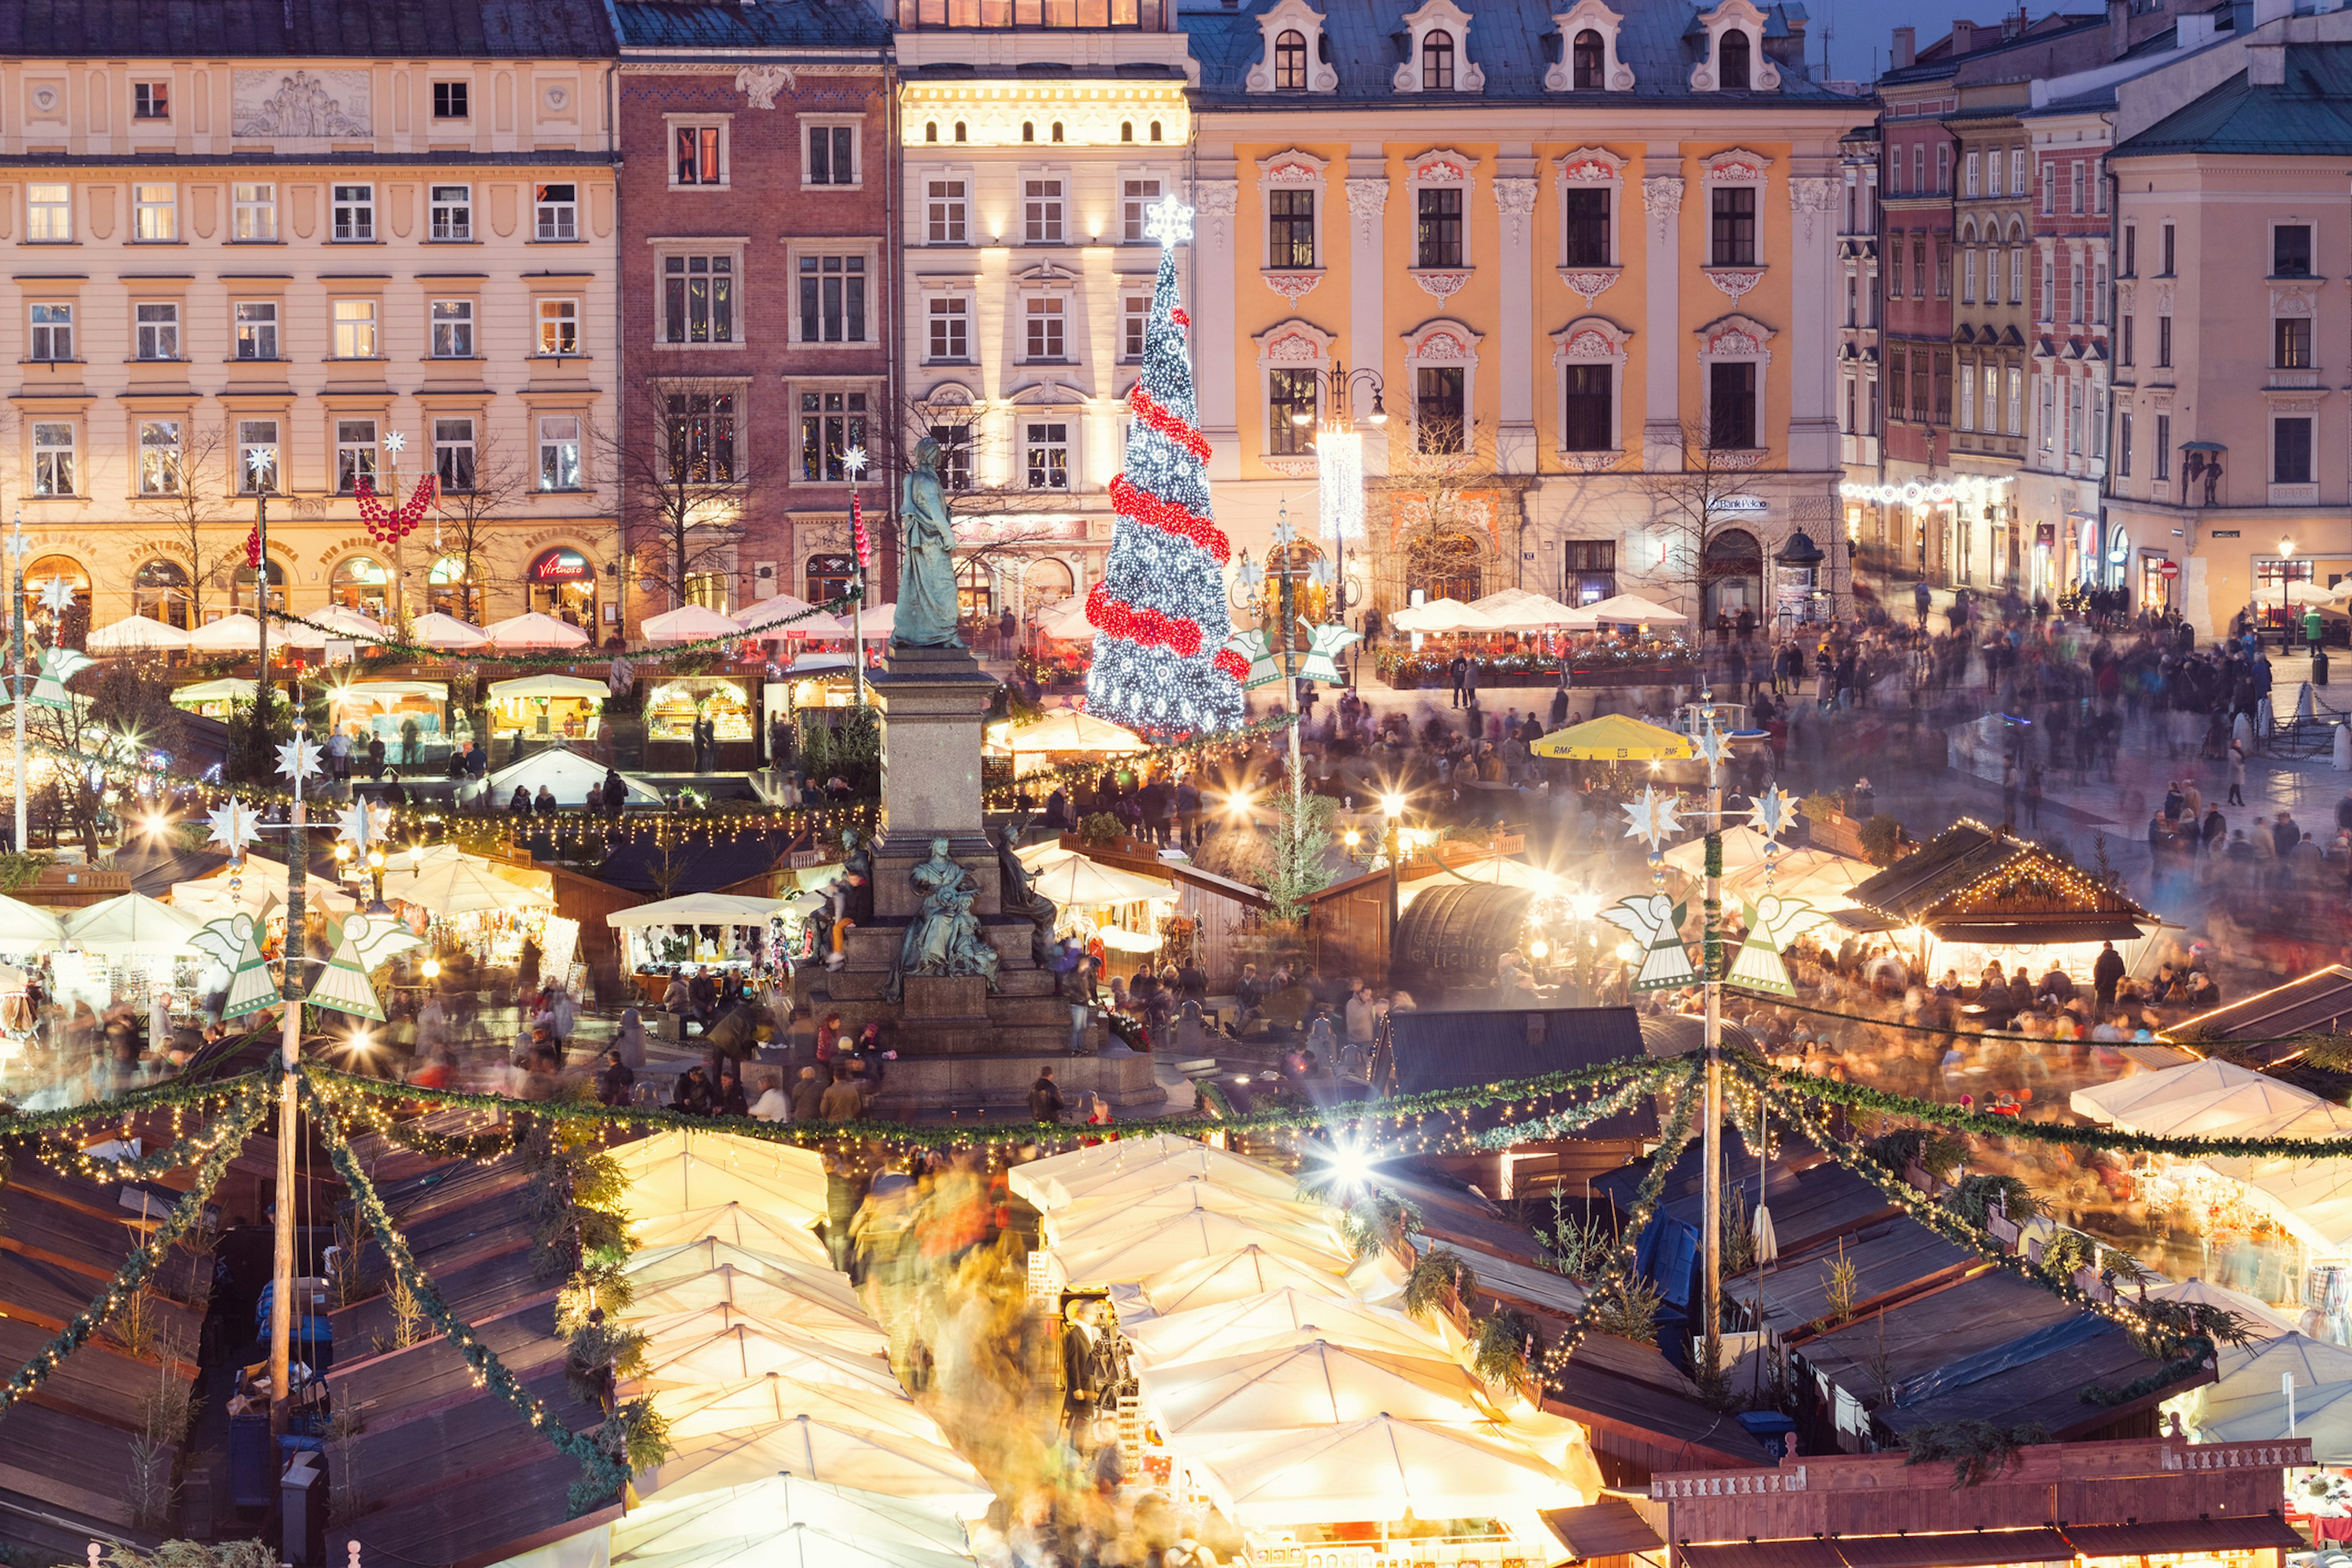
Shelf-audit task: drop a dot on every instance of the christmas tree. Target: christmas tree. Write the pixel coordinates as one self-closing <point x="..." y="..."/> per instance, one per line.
<point x="1161" y="665"/>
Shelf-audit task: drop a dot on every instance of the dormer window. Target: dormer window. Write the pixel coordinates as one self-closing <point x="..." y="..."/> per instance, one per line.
<point x="1729" y="60"/>
<point x="1290" y="61"/>
<point x="1732" y="52"/>
<point x="1437" y="61"/>
<point x="1588" y="61"/>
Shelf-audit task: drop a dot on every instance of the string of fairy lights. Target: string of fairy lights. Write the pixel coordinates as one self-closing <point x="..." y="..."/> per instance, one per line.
<point x="1196" y="753"/>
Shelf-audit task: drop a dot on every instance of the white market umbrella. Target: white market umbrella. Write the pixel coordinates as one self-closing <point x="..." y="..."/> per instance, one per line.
<point x="547" y="685"/>
<point x="717" y="1409"/>
<point x="1059" y="1180"/>
<point x="2322" y="1415"/>
<point x="2263" y="1320"/>
<point x="676" y="1171"/>
<point x="1181" y="1239"/>
<point x="2105" y="1101"/>
<point x="1246" y="1273"/>
<point x="890" y="1463"/>
<point x="736" y="1225"/>
<point x="2302" y="593"/>
<point x="340" y="623"/>
<point x="784" y="617"/>
<point x="1065" y="620"/>
<point x="875" y="622"/>
<point x="699" y="908"/>
<point x="2206" y="1097"/>
<point x="1440" y="616"/>
<point x="684" y="1357"/>
<point x="1072" y="730"/>
<point x="1257" y="1323"/>
<point x="260" y="890"/>
<point x="131" y="923"/>
<point x="1520" y="610"/>
<point x="434" y="629"/>
<point x="695" y="1275"/>
<point x="788" y="1514"/>
<point x="1635" y="609"/>
<point x="1097" y="1222"/>
<point x="1767" y="1241"/>
<point x="135" y="633"/>
<point x="1043" y="852"/>
<point x="28" y="927"/>
<point x="533" y="629"/>
<point x="461" y="887"/>
<point x="227" y="689"/>
<point x="687" y="623"/>
<point x="2312" y="1198"/>
<point x="230" y="634"/>
<point x="731" y="1297"/>
<point x="1314" y="1384"/>
<point x="1383" y="1467"/>
<point x="1080" y="883"/>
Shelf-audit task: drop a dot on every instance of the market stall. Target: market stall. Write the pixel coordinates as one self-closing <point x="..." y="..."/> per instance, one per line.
<point x="136" y="634"/>
<point x="725" y="703"/>
<point x="385" y="709"/>
<point x="214" y="698"/>
<point x="704" y="931"/>
<point x="463" y="902"/>
<point x="541" y="707"/>
<point x="687" y="623"/>
<point x="1066" y="734"/>
<point x="1116" y="913"/>
<point x="575" y="782"/>
<point x="533" y="629"/>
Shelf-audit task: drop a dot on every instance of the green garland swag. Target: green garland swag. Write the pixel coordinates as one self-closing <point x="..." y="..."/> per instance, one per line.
<point x="1861" y="1097"/>
<point x="247" y="1100"/>
<point x="1780" y="1004"/>
<point x="1605" y="1285"/>
<point x="585" y="653"/>
<point x="602" y="1474"/>
<point x="23" y="1126"/>
<point x="1560" y="1123"/>
<point x="230" y="1138"/>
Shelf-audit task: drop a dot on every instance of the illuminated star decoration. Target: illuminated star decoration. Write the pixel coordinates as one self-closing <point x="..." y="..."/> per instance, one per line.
<point x="58" y="596"/>
<point x="235" y="826"/>
<point x="364" y="824"/>
<point x="1711" y="744"/>
<point x="395" y="442"/>
<point x="16" y="543"/>
<point x="855" y="460"/>
<point x="1773" y="812"/>
<point x="297" y="759"/>
<point x="1170" y="221"/>
<point x="1652" y="818"/>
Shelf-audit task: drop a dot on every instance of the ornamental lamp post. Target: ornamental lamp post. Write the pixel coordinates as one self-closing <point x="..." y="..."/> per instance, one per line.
<point x="853" y="463"/>
<point x="261" y="462"/>
<point x="2286" y="611"/>
<point x="1339" y="468"/>
<point x="1392" y="804"/>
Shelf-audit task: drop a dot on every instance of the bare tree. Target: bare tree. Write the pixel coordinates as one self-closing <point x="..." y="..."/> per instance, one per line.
<point x="189" y="527"/>
<point x="689" y="477"/>
<point x="114" y="715"/>
<point x="473" y="501"/>
<point x="1689" y="505"/>
<point x="1443" y="500"/>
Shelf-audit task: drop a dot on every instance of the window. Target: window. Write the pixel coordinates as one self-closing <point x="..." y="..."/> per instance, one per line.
<point x="1731" y="52"/>
<point x="1437" y="61"/>
<point x="698" y="156"/>
<point x="257" y="456"/>
<point x="951" y="338"/>
<point x="2291" y="342"/>
<point x="1587" y="60"/>
<point x="1046" y="455"/>
<point x="702" y="433"/>
<point x="556" y="208"/>
<point x="558" y="451"/>
<point x="1943" y="168"/>
<point x="1041" y="211"/>
<point x="1135" y="199"/>
<point x="159" y="456"/>
<point x="699" y="299"/>
<point x="1044" y="314"/>
<point x="833" y="298"/>
<point x="1290" y="228"/>
<point x="150" y="101"/>
<point x="1993" y="172"/>
<point x="2049" y="189"/>
<point x="1438" y="409"/>
<point x="1590" y="422"/>
<point x="559" y="326"/>
<point x="354" y="454"/>
<point x="2075" y="291"/>
<point x="1290" y="398"/>
<point x="53" y="458"/>
<point x="2074" y="189"/>
<point x="1943" y="269"/>
<point x="1967" y="420"/>
<point x="1975" y="183"/>
<point x="449" y="100"/>
<point x="2019" y="161"/>
<point x="452" y="212"/>
<point x="2164" y="340"/>
<point x="452" y="453"/>
<point x="1918" y="267"/>
<point x="2098" y="412"/>
<point x="2123" y="445"/>
<point x="453" y="329"/>
<point x="159" y="331"/>
<point x="1437" y="237"/>
<point x="354" y="213"/>
<point x="2098" y="191"/>
<point x="1732" y="238"/>
<point x="2291" y="451"/>
<point x="2131" y="250"/>
<point x="1585" y="242"/>
<point x="354" y="329"/>
<point x="2168" y="236"/>
<point x="1920" y="407"/>
<point x="1969" y="275"/>
<point x="832" y="155"/>
<point x="2163" y="448"/>
<point x="955" y="457"/>
<point x="1134" y="324"/>
<point x="1290" y="61"/>
<point x="1918" y="168"/>
<point x="945" y="212"/>
<point x="254" y="216"/>
<point x="2124" y="354"/>
<point x="155" y="213"/>
<point x="2016" y="422"/>
<point x="1590" y="569"/>
<point x="49" y="213"/>
<point x="1731" y="404"/>
<point x="2291" y="250"/>
<point x="2099" y="291"/>
<point x="256" y="323"/>
<point x="2075" y="418"/>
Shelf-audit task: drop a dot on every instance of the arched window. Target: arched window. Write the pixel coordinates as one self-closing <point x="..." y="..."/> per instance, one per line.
<point x="1049" y="582"/>
<point x="1587" y="61"/>
<point x="959" y="131"/>
<point x="1028" y="131"/>
<point x="1058" y="131"/>
<point x="359" y="583"/>
<point x="1290" y="61"/>
<point x="931" y="130"/>
<point x="1126" y="130"/>
<point x="241" y="591"/>
<point x="451" y="587"/>
<point x="1437" y="61"/>
<point x="975" y="591"/>
<point x="1155" y="131"/>
<point x="707" y="589"/>
<point x="1731" y="54"/>
<point x="160" y="592"/>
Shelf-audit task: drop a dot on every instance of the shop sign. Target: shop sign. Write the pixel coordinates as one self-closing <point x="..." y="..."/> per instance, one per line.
<point x="563" y="566"/>
<point x="832" y="565"/>
<point x="1749" y="506"/>
<point x="2225" y="533"/>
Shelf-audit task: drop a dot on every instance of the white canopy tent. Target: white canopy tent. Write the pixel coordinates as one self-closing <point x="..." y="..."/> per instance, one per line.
<point x="136" y="634"/>
<point x="1065" y="620"/>
<point x="676" y="1171"/>
<point x="699" y="908"/>
<point x="570" y="777"/>
<point x="786" y="1521"/>
<point x="820" y="1449"/>
<point x="1060" y="1180"/>
<point x="1383" y="1467"/>
<point x="2262" y="1321"/>
<point x="260" y="889"/>
<point x="533" y="629"/>
<point x="875" y="622"/>
<point x="1436" y="616"/>
<point x="732" y="1223"/>
<point x="2207" y="1097"/>
<point x="1633" y="609"/>
<point x="204" y="693"/>
<point x="1259" y="1323"/>
<point x="1317" y="1383"/>
<point x="1099" y="1223"/>
<point x="1523" y="610"/>
<point x="1239" y="1276"/>
<point x="29" y="928"/>
<point x="434" y="629"/>
<point x="717" y="1409"/>
<point x="1080" y="882"/>
<point x="132" y="924"/>
<point x="333" y="624"/>
<point x="784" y="617"/>
<point x="230" y="634"/>
<point x="690" y="1353"/>
<point x="688" y="622"/>
<point x="461" y="886"/>
<point x="1138" y="1254"/>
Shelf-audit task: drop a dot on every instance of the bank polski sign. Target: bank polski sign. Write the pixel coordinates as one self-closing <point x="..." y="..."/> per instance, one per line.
<point x="1742" y="506"/>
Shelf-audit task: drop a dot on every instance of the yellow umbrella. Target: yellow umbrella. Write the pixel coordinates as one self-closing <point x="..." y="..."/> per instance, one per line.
<point x="1615" y="739"/>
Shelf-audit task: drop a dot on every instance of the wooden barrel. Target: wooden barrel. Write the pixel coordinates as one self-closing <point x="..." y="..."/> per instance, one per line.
<point x="1452" y="932"/>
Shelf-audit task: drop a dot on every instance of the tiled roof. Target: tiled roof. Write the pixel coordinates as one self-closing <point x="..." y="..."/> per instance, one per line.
<point x="2309" y="114"/>
<point x="363" y="29"/>
<point x="720" y="26"/>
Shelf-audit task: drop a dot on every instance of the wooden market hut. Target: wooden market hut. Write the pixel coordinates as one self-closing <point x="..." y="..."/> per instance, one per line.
<point x="1219" y="908"/>
<point x="1984" y="888"/>
<point x="2319" y="1003"/>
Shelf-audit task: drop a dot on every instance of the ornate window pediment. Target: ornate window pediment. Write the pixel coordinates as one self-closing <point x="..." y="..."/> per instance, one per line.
<point x="1740" y="17"/>
<point x="1438" y="59"/>
<point x="1570" y="73"/>
<point x="1735" y="336"/>
<point x="1592" y="338"/>
<point x="1291" y="51"/>
<point x="1294" y="343"/>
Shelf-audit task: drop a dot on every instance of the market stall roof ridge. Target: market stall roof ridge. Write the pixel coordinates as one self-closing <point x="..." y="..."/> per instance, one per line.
<point x="1974" y="883"/>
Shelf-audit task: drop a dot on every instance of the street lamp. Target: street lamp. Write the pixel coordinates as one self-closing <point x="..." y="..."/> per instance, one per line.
<point x="2287" y="614"/>
<point x="1392" y="804"/>
<point x="1249" y="584"/>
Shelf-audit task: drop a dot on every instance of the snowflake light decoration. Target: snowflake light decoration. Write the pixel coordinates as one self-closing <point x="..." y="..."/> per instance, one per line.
<point x="1170" y="221"/>
<point x="58" y="596"/>
<point x="855" y="460"/>
<point x="395" y="442"/>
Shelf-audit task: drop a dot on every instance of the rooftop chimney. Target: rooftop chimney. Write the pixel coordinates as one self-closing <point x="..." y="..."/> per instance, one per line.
<point x="1964" y="36"/>
<point x="2118" y="28"/>
<point x="1906" y="48"/>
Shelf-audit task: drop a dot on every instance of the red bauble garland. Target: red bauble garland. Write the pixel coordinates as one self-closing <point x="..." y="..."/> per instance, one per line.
<point x="253" y="548"/>
<point x="1233" y="664"/>
<point x="386" y="526"/>
<point x="1179" y="635"/>
<point x="857" y="531"/>
<point x="1177" y="315"/>
<point x="1158" y="417"/>
<point x="1169" y="518"/>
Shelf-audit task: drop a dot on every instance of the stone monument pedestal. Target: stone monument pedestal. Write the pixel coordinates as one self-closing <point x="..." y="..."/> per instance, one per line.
<point x="963" y="1048"/>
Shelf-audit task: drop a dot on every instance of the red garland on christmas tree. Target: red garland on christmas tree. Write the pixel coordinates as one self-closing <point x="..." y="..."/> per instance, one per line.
<point x="386" y="526"/>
